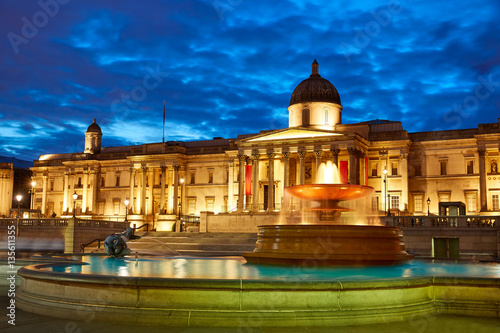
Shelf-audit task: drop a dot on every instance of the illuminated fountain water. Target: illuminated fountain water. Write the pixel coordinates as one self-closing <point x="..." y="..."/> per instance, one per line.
<point x="328" y="240"/>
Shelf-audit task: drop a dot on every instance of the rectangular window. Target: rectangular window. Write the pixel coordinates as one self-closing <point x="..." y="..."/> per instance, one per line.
<point x="443" y="167"/>
<point x="100" y="208"/>
<point x="192" y="178"/>
<point x="394" y="201"/>
<point x="374" y="169"/>
<point x="117" y="184"/>
<point x="394" y="166"/>
<point x="116" y="207"/>
<point x="103" y="181"/>
<point x="444" y="197"/>
<point x="375" y="203"/>
<point x="471" y="202"/>
<point x="495" y="202"/>
<point x="417" y="201"/>
<point x="52" y="185"/>
<point x="191" y="206"/>
<point x="470" y="167"/>
<point x="209" y="204"/>
<point x="210" y="176"/>
<point x="418" y="169"/>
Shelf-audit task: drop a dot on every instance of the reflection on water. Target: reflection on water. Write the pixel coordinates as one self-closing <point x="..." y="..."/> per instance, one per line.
<point x="236" y="268"/>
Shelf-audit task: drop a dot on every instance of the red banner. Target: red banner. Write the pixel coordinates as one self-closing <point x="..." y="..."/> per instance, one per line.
<point x="344" y="172"/>
<point x="248" y="180"/>
<point x="366" y="170"/>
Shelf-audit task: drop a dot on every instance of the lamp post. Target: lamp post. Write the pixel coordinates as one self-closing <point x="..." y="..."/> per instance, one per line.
<point x="385" y="187"/>
<point x="75" y="196"/>
<point x="33" y="184"/>
<point x="389" y="204"/>
<point x="428" y="206"/>
<point x="180" y="203"/>
<point x="126" y="202"/>
<point x="18" y="198"/>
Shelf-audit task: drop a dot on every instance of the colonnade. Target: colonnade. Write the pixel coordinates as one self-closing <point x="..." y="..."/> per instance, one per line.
<point x="299" y="156"/>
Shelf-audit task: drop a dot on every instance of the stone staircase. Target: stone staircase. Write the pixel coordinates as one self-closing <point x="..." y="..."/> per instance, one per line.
<point x="193" y="244"/>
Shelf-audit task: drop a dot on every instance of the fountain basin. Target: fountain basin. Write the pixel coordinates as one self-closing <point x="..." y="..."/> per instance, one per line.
<point x="336" y="192"/>
<point x="178" y="299"/>
<point x="328" y="245"/>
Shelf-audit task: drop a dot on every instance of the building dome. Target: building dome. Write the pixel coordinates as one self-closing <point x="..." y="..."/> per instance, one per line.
<point x="94" y="128"/>
<point x="315" y="89"/>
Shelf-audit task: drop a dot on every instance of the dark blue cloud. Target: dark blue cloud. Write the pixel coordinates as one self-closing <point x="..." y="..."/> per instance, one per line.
<point x="229" y="67"/>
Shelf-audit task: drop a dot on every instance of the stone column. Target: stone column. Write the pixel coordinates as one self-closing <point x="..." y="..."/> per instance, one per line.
<point x="255" y="184"/>
<point x="335" y="156"/>
<point x="241" y="180"/>
<point x="142" y="208"/>
<point x="44" y="194"/>
<point x="170" y="182"/>
<point x="286" y="170"/>
<point x="65" y="190"/>
<point x="150" y="189"/>
<point x="302" y="168"/>
<point x="71" y="191"/>
<point x="404" y="177"/>
<point x="84" y="193"/>
<point x="318" y="154"/>
<point x="230" y="186"/>
<point x="131" y="204"/>
<point x="93" y="190"/>
<point x="270" y="187"/>
<point x="352" y="165"/>
<point x="482" y="179"/>
<point x="163" y="169"/>
<point x="175" y="201"/>
<point x="286" y="177"/>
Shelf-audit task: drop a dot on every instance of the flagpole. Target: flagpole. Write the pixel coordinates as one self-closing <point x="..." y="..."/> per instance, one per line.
<point x="163" y="139"/>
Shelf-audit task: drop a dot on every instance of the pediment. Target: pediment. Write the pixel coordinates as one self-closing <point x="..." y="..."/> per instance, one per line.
<point x="292" y="134"/>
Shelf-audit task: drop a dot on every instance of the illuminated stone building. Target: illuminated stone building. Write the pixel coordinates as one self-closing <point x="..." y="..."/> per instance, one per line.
<point x="248" y="174"/>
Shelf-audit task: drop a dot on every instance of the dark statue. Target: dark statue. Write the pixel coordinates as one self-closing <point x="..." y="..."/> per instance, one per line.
<point x="116" y="245"/>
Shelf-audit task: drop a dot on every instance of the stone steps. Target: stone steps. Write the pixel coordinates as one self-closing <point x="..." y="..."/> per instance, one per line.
<point x="194" y="244"/>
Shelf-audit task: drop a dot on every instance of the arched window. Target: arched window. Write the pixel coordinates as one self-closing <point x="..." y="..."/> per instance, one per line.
<point x="306" y="115"/>
<point x="326" y="111"/>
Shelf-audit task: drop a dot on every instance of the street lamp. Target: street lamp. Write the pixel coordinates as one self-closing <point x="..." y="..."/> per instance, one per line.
<point x="18" y="198"/>
<point x="75" y="196"/>
<point x="428" y="206"/>
<point x="33" y="184"/>
<point x="385" y="188"/>
<point x="126" y="202"/>
<point x="180" y="201"/>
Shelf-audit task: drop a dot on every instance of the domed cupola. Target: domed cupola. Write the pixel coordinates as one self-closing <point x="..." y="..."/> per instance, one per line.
<point x="93" y="139"/>
<point x="315" y="102"/>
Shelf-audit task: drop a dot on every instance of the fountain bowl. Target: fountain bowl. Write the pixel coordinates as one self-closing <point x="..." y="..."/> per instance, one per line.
<point x="322" y="192"/>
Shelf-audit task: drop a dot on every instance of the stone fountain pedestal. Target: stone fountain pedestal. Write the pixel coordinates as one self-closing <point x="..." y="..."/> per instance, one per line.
<point x="328" y="243"/>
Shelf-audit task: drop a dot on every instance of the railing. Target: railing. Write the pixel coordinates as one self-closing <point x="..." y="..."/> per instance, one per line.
<point x="461" y="221"/>
<point x="59" y="222"/>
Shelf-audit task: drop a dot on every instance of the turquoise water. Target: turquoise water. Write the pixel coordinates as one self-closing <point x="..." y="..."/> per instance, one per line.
<point x="236" y="268"/>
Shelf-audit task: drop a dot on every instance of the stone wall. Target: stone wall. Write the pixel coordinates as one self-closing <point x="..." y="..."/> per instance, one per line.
<point x="235" y="222"/>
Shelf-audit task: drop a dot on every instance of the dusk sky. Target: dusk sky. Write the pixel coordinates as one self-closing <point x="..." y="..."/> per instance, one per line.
<point x="229" y="67"/>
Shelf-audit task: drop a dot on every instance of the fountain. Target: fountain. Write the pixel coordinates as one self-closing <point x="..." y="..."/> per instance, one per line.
<point x="301" y="291"/>
<point x="328" y="242"/>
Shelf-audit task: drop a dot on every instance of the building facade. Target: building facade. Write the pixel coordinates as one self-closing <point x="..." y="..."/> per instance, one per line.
<point x="411" y="173"/>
